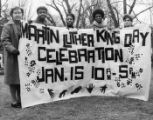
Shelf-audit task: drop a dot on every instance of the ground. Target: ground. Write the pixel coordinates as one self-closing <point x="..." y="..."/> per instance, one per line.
<point x="84" y="108"/>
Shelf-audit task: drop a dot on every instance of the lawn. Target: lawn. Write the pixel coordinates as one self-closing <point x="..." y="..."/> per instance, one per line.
<point x="84" y="108"/>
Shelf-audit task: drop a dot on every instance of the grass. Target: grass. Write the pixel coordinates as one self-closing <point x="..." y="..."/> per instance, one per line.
<point x="84" y="108"/>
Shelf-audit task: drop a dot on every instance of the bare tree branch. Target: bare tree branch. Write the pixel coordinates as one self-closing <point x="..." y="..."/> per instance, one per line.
<point x="124" y="7"/>
<point x="143" y="11"/>
<point x="5" y="3"/>
<point x="51" y="19"/>
<point x="136" y="17"/>
<point x="83" y="16"/>
<point x="51" y="6"/>
<point x="132" y="6"/>
<point x="79" y="13"/>
<point x="117" y="14"/>
<point x="64" y="8"/>
<point x="58" y="10"/>
<point x="112" y="14"/>
<point x="73" y="6"/>
<point x="68" y="5"/>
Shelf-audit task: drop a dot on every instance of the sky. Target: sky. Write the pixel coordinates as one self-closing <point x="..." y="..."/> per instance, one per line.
<point x="31" y="12"/>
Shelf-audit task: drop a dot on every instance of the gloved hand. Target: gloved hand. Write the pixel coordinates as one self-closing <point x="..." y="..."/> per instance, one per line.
<point x="15" y="52"/>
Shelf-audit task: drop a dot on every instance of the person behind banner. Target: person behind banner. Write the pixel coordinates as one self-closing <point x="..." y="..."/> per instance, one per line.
<point x="70" y="19"/>
<point x="43" y="16"/>
<point x="98" y="19"/>
<point x="128" y="20"/>
<point x="10" y="39"/>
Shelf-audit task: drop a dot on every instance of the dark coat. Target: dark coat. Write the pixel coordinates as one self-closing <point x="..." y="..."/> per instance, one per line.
<point x="10" y="41"/>
<point x="45" y="22"/>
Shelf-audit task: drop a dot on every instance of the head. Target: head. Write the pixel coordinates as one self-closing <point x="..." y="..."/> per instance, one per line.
<point x="128" y="20"/>
<point x="70" y="18"/>
<point x="42" y="12"/>
<point x="98" y="15"/>
<point x="16" y="13"/>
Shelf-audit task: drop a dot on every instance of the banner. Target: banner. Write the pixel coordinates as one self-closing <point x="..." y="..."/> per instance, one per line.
<point x="58" y="63"/>
<point x="1" y="61"/>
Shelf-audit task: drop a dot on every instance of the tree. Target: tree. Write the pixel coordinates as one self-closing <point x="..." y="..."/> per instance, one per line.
<point x="63" y="7"/>
<point x="128" y="8"/>
<point x="83" y="9"/>
<point x="4" y="9"/>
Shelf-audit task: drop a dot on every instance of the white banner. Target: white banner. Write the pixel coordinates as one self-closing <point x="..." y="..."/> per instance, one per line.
<point x="57" y="63"/>
<point x="1" y="61"/>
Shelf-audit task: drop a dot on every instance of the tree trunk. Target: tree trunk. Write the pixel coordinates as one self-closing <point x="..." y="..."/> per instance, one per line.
<point x="79" y="13"/>
<point x="68" y="6"/>
<point x="132" y="6"/>
<point x="0" y="8"/>
<point x="124" y="7"/>
<point x="116" y="24"/>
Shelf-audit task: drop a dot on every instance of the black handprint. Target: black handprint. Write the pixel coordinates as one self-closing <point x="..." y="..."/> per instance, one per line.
<point x="51" y="93"/>
<point x="32" y="63"/>
<point x="62" y="94"/>
<point x="76" y="90"/>
<point x="90" y="88"/>
<point x="103" y="88"/>
<point x="129" y="81"/>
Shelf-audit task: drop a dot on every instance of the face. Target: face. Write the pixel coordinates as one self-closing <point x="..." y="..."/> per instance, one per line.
<point x="69" y="21"/>
<point x="17" y="14"/>
<point x="127" y="22"/>
<point x="42" y="13"/>
<point x="98" y="18"/>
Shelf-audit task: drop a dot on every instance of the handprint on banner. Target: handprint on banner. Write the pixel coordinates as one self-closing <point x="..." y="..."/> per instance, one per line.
<point x="118" y="81"/>
<point x="51" y="93"/>
<point x="28" y="74"/>
<point x="32" y="63"/>
<point x="138" y="73"/>
<point x="135" y="74"/>
<point x="28" y="87"/>
<point x="129" y="82"/>
<point x="131" y="49"/>
<point x="62" y="94"/>
<point x="76" y="90"/>
<point x="28" y="49"/>
<point x="134" y="58"/>
<point x="26" y="61"/>
<point x="138" y="86"/>
<point x="31" y="67"/>
<point x="123" y="85"/>
<point x="41" y="90"/>
<point x="108" y="72"/>
<point x="130" y="60"/>
<point x="103" y="88"/>
<point x="90" y="87"/>
<point x="39" y="72"/>
<point x="138" y="56"/>
<point x="35" y="83"/>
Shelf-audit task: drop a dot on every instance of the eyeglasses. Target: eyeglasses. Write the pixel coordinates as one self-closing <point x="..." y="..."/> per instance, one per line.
<point x="17" y="12"/>
<point x="127" y="20"/>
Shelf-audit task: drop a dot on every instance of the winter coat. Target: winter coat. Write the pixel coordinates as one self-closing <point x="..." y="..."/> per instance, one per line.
<point x="97" y="25"/>
<point x="10" y="40"/>
<point x="46" y="22"/>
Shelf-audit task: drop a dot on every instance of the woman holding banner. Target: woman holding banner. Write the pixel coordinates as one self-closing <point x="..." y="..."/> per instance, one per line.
<point x="10" y="39"/>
